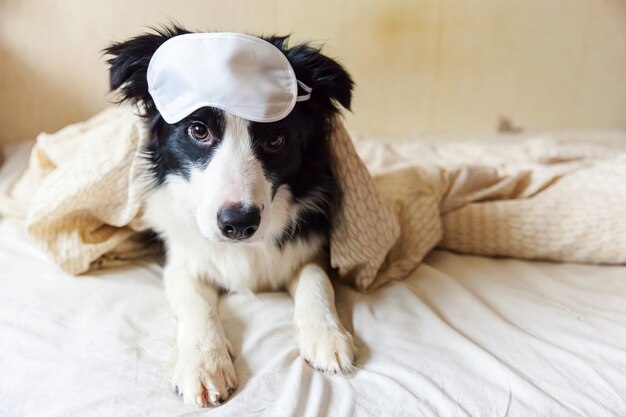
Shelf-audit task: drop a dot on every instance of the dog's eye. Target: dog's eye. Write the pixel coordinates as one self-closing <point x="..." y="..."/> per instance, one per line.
<point x="199" y="131"/>
<point x="274" y="143"/>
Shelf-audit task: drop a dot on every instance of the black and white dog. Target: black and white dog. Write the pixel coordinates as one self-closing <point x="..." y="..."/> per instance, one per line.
<point x="242" y="206"/>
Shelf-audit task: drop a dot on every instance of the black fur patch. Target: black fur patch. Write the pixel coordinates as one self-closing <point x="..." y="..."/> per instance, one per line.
<point x="172" y="151"/>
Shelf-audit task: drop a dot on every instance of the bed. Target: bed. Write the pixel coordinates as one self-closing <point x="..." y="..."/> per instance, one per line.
<point x="461" y="336"/>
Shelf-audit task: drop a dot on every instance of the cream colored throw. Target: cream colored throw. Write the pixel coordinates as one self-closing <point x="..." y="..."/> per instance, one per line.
<point x="541" y="199"/>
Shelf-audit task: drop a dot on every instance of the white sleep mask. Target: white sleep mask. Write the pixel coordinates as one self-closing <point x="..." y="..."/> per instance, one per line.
<point x="239" y="74"/>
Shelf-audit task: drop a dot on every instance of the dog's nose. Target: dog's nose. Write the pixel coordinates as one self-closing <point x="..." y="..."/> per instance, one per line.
<point x="238" y="221"/>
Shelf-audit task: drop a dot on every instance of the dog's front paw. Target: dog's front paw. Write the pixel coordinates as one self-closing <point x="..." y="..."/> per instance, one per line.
<point x="205" y="376"/>
<point x="327" y="347"/>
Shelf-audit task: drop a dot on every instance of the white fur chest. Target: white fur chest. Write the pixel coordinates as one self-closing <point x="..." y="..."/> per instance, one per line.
<point x="239" y="267"/>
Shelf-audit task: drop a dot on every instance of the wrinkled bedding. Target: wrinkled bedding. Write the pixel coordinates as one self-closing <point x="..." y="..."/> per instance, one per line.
<point x="461" y="336"/>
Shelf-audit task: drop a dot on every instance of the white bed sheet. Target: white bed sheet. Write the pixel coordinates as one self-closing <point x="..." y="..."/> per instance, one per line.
<point x="462" y="336"/>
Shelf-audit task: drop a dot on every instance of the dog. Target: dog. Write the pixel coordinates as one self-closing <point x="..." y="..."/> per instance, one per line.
<point x="244" y="207"/>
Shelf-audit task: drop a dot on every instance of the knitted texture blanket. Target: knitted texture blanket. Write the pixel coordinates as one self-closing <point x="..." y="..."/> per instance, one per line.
<point x="81" y="199"/>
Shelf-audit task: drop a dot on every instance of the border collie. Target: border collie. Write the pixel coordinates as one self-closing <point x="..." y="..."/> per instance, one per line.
<point x="243" y="207"/>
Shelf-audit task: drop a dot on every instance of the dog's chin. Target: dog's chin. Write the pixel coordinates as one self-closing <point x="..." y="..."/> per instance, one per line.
<point x="215" y="238"/>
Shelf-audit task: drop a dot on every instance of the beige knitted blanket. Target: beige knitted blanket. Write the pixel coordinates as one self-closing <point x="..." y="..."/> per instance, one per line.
<point x="539" y="199"/>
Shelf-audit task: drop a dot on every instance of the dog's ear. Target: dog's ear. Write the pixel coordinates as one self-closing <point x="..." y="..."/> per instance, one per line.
<point x="129" y="61"/>
<point x="330" y="82"/>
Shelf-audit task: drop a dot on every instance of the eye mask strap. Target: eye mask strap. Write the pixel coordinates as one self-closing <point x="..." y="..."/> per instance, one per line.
<point x="307" y="89"/>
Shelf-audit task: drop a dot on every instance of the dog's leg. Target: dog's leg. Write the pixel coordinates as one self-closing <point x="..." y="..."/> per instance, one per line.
<point x="204" y="372"/>
<point x="324" y="342"/>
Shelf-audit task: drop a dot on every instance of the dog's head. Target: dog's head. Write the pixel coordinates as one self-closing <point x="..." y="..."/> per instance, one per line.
<point x="241" y="180"/>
